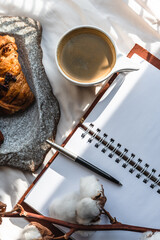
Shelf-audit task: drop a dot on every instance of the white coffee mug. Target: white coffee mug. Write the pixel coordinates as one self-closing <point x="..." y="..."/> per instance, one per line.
<point x="87" y="56"/>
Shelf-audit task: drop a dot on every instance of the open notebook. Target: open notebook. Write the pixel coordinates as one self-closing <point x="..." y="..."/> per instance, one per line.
<point x="122" y="136"/>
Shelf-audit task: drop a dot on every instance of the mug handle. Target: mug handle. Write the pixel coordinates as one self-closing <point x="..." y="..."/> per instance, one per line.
<point x="125" y="64"/>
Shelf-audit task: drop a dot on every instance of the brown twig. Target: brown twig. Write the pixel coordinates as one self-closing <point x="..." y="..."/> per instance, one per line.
<point x="112" y="220"/>
<point x="18" y="211"/>
<point x="66" y="235"/>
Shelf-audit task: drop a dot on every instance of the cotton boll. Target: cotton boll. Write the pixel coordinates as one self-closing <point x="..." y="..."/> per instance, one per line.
<point x="87" y="211"/>
<point x="150" y="236"/>
<point x="90" y="187"/>
<point x="82" y="208"/>
<point x="64" y="208"/>
<point x="30" y="232"/>
<point x="35" y="231"/>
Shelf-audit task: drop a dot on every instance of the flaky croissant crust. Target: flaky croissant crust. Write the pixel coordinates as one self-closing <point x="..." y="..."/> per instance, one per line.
<point x="15" y="93"/>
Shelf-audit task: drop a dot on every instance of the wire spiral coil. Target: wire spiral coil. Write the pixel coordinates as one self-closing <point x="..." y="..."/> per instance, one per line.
<point x="122" y="156"/>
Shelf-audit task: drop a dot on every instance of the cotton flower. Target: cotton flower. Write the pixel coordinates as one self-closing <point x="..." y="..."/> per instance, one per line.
<point x="30" y="232"/>
<point x="150" y="236"/>
<point x="83" y="207"/>
<point x="35" y="231"/>
<point x="87" y="211"/>
<point x="91" y="187"/>
<point x="64" y="208"/>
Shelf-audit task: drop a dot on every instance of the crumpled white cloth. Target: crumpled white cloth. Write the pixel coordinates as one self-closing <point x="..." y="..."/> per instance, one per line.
<point x="126" y="21"/>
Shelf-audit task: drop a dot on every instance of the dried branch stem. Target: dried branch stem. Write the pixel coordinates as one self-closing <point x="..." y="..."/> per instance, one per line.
<point x="65" y="236"/>
<point x="112" y="220"/>
<point x="115" y="225"/>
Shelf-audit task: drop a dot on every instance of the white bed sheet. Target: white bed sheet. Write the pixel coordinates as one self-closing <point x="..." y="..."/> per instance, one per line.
<point x="127" y="21"/>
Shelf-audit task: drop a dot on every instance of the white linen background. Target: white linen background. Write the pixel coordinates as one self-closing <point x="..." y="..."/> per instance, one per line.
<point x="127" y="21"/>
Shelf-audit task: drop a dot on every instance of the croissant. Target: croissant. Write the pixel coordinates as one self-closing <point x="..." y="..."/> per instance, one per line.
<point x="15" y="93"/>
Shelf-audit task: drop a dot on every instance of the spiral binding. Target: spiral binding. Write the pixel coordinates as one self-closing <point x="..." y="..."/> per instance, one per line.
<point x="122" y="155"/>
<point x="118" y="159"/>
<point x="94" y="135"/>
<point x="87" y="131"/>
<point x="131" y="170"/>
<point x="156" y="183"/>
<point x="107" y="145"/>
<point x="101" y="140"/>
